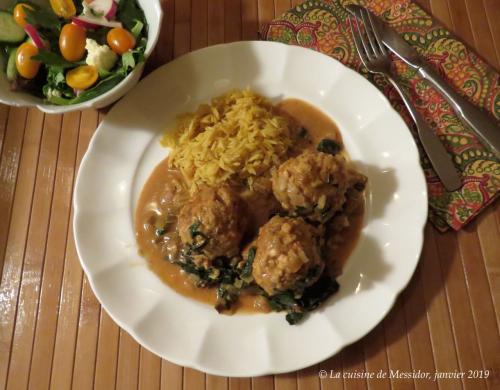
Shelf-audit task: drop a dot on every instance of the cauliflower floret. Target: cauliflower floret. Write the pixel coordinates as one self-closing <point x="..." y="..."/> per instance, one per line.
<point x="52" y="92"/>
<point x="100" y="56"/>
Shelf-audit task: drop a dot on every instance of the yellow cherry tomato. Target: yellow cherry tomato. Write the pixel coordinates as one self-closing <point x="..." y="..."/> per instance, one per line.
<point x="20" y="13"/>
<point x="82" y="77"/>
<point x="63" y="8"/>
<point x="27" y="67"/>
<point x="72" y="42"/>
<point x="120" y="40"/>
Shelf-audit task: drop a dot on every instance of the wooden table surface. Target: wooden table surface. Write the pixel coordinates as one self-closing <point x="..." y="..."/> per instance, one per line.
<point x="54" y="334"/>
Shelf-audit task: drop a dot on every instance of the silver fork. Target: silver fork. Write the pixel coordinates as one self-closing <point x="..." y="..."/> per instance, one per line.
<point x="374" y="56"/>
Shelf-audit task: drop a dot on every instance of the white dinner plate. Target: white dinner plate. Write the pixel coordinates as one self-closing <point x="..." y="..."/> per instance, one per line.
<point x="125" y="149"/>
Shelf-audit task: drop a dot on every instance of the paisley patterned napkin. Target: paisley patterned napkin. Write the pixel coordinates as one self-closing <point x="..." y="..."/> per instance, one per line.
<point x="323" y="26"/>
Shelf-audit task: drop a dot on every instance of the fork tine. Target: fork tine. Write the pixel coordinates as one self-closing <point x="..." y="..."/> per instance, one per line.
<point x="356" y="34"/>
<point x="369" y="31"/>
<point x="375" y="31"/>
<point x="362" y="37"/>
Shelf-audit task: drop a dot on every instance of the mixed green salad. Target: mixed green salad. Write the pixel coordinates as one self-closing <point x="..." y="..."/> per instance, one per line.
<point x="71" y="51"/>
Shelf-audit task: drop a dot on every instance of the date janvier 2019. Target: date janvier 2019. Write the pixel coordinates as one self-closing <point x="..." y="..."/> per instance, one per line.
<point x="398" y="374"/>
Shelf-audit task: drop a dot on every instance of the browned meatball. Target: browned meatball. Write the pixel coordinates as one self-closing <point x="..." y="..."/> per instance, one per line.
<point x="288" y="256"/>
<point x="213" y="220"/>
<point x="313" y="184"/>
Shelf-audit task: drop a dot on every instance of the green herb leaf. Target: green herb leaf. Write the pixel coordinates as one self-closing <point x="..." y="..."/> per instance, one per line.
<point x="302" y="211"/>
<point x="311" y="298"/>
<point x="247" y="268"/>
<point x="43" y="17"/>
<point x="294" y="318"/>
<point x="103" y="73"/>
<point x="329" y="146"/>
<point x="226" y="296"/>
<point x="128" y="60"/>
<point x="160" y="232"/>
<point x="129" y="12"/>
<point x="50" y="58"/>
<point x="137" y="29"/>
<point x="99" y="35"/>
<point x="101" y="88"/>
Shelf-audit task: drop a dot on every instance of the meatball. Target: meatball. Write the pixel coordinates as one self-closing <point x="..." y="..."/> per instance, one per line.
<point x="213" y="221"/>
<point x="288" y="256"/>
<point x="312" y="185"/>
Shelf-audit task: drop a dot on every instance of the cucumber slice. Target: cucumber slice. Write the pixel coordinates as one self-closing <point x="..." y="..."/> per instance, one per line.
<point x="11" y="65"/>
<point x="10" y="31"/>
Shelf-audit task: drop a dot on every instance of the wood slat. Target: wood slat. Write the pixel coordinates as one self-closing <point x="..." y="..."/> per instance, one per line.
<point x="479" y="292"/>
<point x="417" y="328"/>
<point x="334" y="373"/>
<point x="12" y="135"/>
<point x="86" y="339"/>
<point x="107" y="353"/>
<point x="193" y="379"/>
<point x="215" y="22"/>
<point x="4" y="115"/>
<point x="459" y="306"/>
<point x="483" y="38"/>
<point x="240" y="383"/>
<point x="88" y="323"/>
<point x="182" y="27"/>
<point x="308" y="379"/>
<point x="492" y="8"/>
<point x="286" y="381"/>
<point x="376" y="358"/>
<point x="425" y="4"/>
<point x="440" y="9"/>
<point x="353" y="364"/>
<point x="488" y="233"/>
<point x="67" y="323"/>
<point x="27" y="303"/>
<point x="249" y="19"/>
<point x="149" y="370"/>
<point x="54" y="259"/>
<point x="263" y="383"/>
<point x="214" y="382"/>
<point x="232" y="21"/>
<point x="440" y="327"/>
<point x="199" y="24"/>
<point x="460" y="21"/>
<point x="164" y="50"/>
<point x="398" y="353"/>
<point x="266" y="11"/>
<point x="18" y="224"/>
<point x="171" y="376"/>
<point x="127" y="372"/>
<point x="281" y="6"/>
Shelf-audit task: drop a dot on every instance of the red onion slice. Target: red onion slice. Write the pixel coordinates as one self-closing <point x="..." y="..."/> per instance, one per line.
<point x="35" y="36"/>
<point x="93" y="22"/>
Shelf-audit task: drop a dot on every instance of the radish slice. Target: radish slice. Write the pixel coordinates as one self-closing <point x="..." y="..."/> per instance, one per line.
<point x="34" y="35"/>
<point x="106" y="8"/>
<point x="94" y="22"/>
<point x="112" y="11"/>
<point x="82" y="23"/>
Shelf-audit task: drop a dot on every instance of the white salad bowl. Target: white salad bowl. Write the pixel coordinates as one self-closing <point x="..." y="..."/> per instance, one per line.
<point x="153" y="13"/>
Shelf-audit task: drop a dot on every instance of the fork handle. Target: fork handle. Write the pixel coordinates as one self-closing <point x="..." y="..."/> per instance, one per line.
<point x="439" y="157"/>
<point x="481" y="123"/>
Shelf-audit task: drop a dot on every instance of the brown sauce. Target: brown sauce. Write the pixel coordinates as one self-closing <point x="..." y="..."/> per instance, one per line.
<point x="163" y="184"/>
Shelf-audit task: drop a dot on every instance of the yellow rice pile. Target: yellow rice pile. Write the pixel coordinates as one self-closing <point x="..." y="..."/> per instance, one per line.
<point x="238" y="137"/>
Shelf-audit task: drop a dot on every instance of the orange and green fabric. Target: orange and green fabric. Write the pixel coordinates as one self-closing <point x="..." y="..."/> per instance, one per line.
<point x="324" y="26"/>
